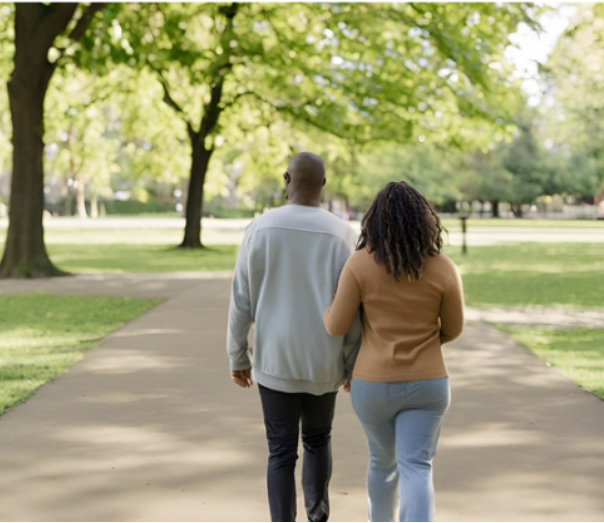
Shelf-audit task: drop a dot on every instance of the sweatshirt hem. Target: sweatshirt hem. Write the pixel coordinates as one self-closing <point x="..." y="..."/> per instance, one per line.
<point x="294" y="386"/>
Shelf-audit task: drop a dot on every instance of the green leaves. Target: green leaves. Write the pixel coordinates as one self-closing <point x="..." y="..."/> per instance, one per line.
<point x="337" y="77"/>
<point x="575" y="87"/>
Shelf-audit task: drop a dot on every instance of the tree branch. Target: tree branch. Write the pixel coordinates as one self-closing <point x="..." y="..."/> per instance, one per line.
<point x="300" y="116"/>
<point x="78" y="31"/>
<point x="171" y="102"/>
<point x="297" y="115"/>
<point x="53" y="21"/>
<point x="220" y="69"/>
<point x="82" y="24"/>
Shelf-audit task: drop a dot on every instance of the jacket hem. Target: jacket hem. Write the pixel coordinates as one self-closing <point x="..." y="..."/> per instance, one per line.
<point x="398" y="377"/>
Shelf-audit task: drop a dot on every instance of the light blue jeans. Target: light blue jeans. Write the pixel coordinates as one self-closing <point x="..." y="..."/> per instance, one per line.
<point x="402" y="421"/>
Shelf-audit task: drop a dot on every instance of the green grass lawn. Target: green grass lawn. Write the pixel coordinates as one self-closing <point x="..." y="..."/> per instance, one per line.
<point x="578" y="353"/>
<point x="142" y="236"/>
<point x="141" y="258"/>
<point x="562" y="274"/>
<point x="454" y="224"/>
<point x="42" y="335"/>
<point x="568" y="275"/>
<point x="131" y="250"/>
<point x="501" y="275"/>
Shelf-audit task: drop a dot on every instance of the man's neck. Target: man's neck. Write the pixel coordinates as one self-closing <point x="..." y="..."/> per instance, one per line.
<point x="305" y="202"/>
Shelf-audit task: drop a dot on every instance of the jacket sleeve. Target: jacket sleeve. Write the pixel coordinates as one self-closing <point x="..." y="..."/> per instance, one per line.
<point x="339" y="318"/>
<point x="352" y="345"/>
<point x="452" y="309"/>
<point x="240" y="312"/>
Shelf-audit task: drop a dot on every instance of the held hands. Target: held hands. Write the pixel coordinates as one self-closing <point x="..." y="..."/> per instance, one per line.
<point x="346" y="386"/>
<point x="243" y="378"/>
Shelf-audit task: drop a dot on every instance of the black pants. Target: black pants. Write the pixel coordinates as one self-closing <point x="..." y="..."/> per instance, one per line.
<point x="282" y="415"/>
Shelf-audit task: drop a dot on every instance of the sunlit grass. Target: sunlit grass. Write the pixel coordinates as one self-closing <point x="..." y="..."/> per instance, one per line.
<point x="561" y="274"/>
<point x="149" y="250"/>
<point x="135" y="258"/>
<point x="578" y="353"/>
<point x="545" y="274"/>
<point x="42" y="335"/>
<point x="454" y="224"/>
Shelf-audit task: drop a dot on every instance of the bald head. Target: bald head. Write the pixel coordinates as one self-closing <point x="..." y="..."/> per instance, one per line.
<point x="306" y="177"/>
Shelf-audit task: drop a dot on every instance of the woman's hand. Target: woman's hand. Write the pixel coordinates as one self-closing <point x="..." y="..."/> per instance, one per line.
<point x="346" y="386"/>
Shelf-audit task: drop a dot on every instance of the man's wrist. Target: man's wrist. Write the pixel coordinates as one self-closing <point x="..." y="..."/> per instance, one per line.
<point x="240" y="367"/>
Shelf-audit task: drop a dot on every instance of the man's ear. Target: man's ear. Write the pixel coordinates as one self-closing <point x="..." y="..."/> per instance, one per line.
<point x="324" y="181"/>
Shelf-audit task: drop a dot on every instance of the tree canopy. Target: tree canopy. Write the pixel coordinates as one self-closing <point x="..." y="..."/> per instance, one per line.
<point x="210" y="101"/>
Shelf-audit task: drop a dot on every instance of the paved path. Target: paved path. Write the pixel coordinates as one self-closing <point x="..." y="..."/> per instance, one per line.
<point x="559" y="317"/>
<point x="149" y="427"/>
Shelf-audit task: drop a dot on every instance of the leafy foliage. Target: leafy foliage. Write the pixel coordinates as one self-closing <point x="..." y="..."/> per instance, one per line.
<point x="358" y="72"/>
<point x="6" y="52"/>
<point x="575" y="87"/>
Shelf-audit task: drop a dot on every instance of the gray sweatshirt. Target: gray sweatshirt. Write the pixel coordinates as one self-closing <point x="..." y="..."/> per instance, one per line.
<point x="286" y="275"/>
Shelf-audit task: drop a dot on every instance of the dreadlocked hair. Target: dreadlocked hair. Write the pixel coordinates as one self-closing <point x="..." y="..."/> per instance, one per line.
<point x="401" y="229"/>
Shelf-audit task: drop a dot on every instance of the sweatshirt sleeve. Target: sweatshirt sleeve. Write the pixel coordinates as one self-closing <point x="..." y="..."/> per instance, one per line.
<point x="240" y="313"/>
<point x="452" y="309"/>
<point x="339" y="318"/>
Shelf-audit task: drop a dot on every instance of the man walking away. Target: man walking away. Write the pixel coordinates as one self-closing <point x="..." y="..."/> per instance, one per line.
<point x="285" y="277"/>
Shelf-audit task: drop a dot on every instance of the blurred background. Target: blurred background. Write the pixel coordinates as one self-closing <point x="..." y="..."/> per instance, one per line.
<point x="489" y="109"/>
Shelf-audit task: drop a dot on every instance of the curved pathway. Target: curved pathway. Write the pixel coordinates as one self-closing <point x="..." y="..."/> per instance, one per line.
<point x="149" y="427"/>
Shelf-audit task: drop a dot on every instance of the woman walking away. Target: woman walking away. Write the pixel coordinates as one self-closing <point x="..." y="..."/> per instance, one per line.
<point x="411" y="300"/>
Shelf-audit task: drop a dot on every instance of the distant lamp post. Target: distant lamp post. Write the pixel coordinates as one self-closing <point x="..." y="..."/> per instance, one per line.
<point x="464" y="230"/>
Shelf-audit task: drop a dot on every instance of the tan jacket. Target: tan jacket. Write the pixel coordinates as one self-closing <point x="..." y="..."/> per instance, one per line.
<point x="404" y="323"/>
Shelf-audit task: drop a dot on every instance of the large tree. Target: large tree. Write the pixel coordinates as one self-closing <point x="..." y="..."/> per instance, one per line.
<point x="361" y="72"/>
<point x="358" y="71"/>
<point x="44" y="34"/>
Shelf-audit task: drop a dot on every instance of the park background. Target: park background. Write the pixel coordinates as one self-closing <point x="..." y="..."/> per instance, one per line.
<point x="140" y="139"/>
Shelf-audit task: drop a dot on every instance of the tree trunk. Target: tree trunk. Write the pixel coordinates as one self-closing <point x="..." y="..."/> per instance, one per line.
<point x="495" y="208"/>
<point x="200" y="155"/>
<point x="80" y="188"/>
<point x="25" y="253"/>
<point x="36" y="27"/>
<point x="69" y="201"/>
<point x="200" y="158"/>
<point x="94" y="206"/>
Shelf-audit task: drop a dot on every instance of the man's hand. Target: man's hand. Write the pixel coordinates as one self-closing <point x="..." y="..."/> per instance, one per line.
<point x="346" y="386"/>
<point x="243" y="378"/>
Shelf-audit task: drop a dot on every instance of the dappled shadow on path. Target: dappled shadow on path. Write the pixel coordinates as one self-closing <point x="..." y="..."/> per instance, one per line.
<point x="521" y="442"/>
<point x="150" y="427"/>
<point x="146" y="427"/>
<point x="161" y="285"/>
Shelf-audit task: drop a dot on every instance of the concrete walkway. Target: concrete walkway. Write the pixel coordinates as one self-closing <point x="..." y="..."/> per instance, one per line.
<point x="149" y="427"/>
<point x="559" y="317"/>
